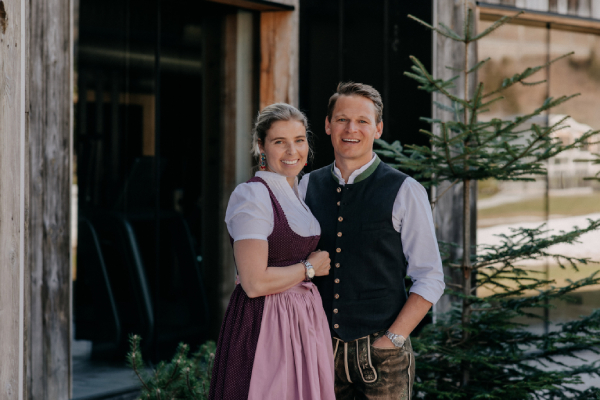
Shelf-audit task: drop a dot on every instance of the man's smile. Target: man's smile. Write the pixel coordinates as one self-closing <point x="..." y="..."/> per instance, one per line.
<point x="351" y="140"/>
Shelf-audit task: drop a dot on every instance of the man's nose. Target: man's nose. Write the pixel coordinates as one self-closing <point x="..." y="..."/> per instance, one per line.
<point x="352" y="126"/>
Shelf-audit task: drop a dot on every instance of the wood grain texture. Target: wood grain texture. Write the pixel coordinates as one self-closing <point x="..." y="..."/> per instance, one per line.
<point x="279" y="66"/>
<point x="448" y="212"/>
<point x="12" y="133"/>
<point x="50" y="126"/>
<point x="566" y="22"/>
<point x="578" y="8"/>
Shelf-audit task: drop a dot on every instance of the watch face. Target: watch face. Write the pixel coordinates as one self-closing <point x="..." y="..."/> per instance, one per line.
<point x="398" y="341"/>
<point x="311" y="272"/>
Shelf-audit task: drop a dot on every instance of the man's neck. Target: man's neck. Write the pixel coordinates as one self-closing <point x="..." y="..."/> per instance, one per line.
<point x="348" y="166"/>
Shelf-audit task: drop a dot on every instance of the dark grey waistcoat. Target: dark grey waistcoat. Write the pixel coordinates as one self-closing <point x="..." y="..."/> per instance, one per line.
<point x="364" y="291"/>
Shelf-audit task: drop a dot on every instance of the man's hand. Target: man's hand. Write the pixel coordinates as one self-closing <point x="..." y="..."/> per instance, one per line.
<point x="384" y="343"/>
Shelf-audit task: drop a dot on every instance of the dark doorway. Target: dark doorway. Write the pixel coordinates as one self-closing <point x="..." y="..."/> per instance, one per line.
<point x="368" y="42"/>
<point x="145" y="74"/>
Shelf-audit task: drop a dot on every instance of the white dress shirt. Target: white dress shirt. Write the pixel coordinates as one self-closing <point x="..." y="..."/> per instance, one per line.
<point x="411" y="216"/>
<point x="249" y="213"/>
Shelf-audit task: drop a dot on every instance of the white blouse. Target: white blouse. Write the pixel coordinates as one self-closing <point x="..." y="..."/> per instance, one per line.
<point x="249" y="213"/>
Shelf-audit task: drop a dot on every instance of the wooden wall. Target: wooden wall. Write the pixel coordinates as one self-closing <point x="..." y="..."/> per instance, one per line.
<point x="580" y="8"/>
<point x="50" y="128"/>
<point x="446" y="53"/>
<point x="13" y="195"/>
<point x="35" y="156"/>
<point x="279" y="63"/>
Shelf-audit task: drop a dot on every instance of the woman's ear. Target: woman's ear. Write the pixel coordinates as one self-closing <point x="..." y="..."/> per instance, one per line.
<point x="259" y="144"/>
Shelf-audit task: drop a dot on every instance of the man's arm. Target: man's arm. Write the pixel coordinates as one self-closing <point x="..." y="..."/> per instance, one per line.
<point x="414" y="310"/>
<point x="412" y="218"/>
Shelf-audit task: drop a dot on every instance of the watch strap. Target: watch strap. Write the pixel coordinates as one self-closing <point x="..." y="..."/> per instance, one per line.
<point x="308" y="266"/>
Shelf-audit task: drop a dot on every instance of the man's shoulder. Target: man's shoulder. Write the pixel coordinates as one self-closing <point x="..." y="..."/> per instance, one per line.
<point x="387" y="171"/>
<point x="320" y="174"/>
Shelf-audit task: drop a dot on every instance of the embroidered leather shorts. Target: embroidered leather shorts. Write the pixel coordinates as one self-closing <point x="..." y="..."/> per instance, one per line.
<point x="366" y="372"/>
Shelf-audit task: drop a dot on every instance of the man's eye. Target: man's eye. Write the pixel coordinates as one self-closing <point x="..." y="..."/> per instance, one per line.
<point x="300" y="140"/>
<point x="342" y="119"/>
<point x="278" y="142"/>
<point x="363" y="121"/>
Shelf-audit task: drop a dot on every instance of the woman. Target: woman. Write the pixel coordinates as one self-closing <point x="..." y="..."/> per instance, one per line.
<point x="275" y="341"/>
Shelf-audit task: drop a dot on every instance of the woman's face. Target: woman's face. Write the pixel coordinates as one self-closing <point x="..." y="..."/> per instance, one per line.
<point x="286" y="148"/>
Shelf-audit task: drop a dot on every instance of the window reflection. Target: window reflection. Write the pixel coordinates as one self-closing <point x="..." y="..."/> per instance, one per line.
<point x="564" y="199"/>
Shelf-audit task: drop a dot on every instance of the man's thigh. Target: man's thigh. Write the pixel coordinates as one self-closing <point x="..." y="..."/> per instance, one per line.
<point x="395" y="372"/>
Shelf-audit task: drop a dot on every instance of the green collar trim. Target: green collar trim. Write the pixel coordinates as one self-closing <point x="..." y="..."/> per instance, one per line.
<point x="364" y="175"/>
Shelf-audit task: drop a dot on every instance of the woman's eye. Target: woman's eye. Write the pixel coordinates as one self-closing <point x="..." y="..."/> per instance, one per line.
<point x="300" y="140"/>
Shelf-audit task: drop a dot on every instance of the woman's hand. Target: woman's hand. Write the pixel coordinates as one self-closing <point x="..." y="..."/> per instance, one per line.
<point x="321" y="262"/>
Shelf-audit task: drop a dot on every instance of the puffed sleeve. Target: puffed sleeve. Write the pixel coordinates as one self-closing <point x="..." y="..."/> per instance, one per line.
<point x="249" y="213"/>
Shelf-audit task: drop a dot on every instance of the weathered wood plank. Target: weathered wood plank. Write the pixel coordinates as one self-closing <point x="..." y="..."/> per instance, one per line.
<point x="566" y="22"/>
<point x="579" y="8"/>
<point x="50" y="126"/>
<point x="448" y="213"/>
<point x="279" y="66"/>
<point x="12" y="195"/>
<point x="228" y="160"/>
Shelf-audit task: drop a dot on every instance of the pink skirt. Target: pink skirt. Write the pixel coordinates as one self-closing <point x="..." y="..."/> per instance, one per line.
<point x="294" y="355"/>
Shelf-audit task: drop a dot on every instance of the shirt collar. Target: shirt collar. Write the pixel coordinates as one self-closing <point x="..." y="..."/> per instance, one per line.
<point x="357" y="175"/>
<point x="275" y="178"/>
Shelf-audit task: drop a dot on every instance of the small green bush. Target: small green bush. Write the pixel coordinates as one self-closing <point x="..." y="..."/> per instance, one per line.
<point x="183" y="378"/>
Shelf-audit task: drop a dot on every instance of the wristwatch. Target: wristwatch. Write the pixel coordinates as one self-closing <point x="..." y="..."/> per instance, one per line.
<point x="397" y="340"/>
<point x="310" y="270"/>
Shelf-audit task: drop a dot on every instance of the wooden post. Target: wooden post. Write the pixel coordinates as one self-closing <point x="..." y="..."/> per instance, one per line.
<point x="449" y="209"/>
<point x="279" y="66"/>
<point x="13" y="196"/>
<point x="50" y="132"/>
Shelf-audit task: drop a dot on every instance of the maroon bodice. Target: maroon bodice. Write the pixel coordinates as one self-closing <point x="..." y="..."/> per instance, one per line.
<point x="286" y="247"/>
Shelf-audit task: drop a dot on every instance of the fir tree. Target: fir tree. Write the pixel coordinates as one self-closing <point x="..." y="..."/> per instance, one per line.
<point x="477" y="350"/>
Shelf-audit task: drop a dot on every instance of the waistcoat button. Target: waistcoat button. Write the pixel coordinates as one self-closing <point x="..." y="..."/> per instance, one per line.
<point x="339" y="189"/>
<point x="338" y="250"/>
<point x="337" y="265"/>
<point x="340" y="219"/>
<point x="337" y="281"/>
<point x="338" y="203"/>
<point x="337" y="296"/>
<point x="336" y="326"/>
<point x="335" y="310"/>
<point x="339" y="234"/>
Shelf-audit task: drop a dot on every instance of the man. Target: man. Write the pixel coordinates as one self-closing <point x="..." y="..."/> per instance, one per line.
<point x="377" y="226"/>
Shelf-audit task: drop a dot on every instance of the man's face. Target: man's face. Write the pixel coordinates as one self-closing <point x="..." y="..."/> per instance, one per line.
<point x="353" y="129"/>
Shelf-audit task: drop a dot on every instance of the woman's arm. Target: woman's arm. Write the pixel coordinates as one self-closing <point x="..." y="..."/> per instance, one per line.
<point x="258" y="279"/>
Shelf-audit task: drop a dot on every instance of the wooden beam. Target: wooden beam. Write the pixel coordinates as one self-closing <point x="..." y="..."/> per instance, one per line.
<point x="448" y="213"/>
<point x="541" y="19"/>
<point x="13" y="195"/>
<point x="50" y="126"/>
<point x="257" y="5"/>
<point x="279" y="65"/>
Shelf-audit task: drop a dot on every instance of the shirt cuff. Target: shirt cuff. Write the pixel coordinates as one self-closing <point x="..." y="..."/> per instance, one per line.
<point x="430" y="291"/>
<point x="250" y="236"/>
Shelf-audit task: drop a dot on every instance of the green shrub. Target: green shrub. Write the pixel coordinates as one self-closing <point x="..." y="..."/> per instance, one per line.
<point x="184" y="377"/>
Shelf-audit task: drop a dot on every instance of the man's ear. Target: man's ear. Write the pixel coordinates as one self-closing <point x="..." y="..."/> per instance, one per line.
<point x="379" y="130"/>
<point x="327" y="126"/>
